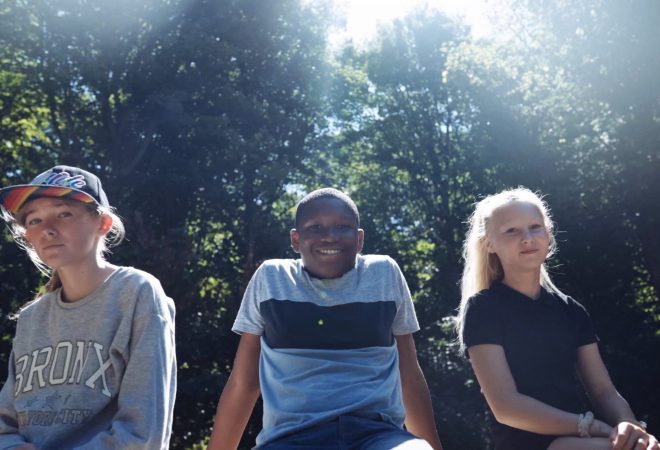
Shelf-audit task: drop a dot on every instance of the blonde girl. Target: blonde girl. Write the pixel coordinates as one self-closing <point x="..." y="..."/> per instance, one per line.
<point x="525" y="338"/>
<point x="93" y="362"/>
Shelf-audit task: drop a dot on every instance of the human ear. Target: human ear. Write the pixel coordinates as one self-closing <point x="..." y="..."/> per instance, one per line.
<point x="106" y="224"/>
<point x="488" y="244"/>
<point x="360" y="239"/>
<point x="295" y="242"/>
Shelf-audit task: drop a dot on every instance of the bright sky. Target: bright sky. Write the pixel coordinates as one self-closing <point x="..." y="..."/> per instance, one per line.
<point x="364" y="16"/>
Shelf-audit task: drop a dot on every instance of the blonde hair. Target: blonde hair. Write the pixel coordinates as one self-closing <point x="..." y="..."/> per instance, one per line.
<point x="112" y="238"/>
<point x="481" y="268"/>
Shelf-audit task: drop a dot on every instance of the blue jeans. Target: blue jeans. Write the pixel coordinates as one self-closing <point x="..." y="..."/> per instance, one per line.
<point x="349" y="433"/>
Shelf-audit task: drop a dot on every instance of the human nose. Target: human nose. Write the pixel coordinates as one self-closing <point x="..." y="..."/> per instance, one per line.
<point x="48" y="228"/>
<point x="526" y="235"/>
<point x="330" y="233"/>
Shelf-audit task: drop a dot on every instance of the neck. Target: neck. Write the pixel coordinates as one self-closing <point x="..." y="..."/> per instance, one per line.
<point x="78" y="283"/>
<point x="528" y="283"/>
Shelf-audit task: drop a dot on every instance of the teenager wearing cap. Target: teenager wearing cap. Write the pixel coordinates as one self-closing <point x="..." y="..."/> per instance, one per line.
<point x="93" y="361"/>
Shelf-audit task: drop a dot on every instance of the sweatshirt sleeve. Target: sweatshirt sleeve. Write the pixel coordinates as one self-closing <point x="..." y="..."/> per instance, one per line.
<point x="9" y="435"/>
<point x="147" y="392"/>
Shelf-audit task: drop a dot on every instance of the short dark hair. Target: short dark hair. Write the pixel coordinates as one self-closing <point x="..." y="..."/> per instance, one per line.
<point x="325" y="193"/>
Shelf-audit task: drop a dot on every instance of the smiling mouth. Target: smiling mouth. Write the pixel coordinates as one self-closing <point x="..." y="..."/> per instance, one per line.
<point x="529" y="252"/>
<point x="332" y="251"/>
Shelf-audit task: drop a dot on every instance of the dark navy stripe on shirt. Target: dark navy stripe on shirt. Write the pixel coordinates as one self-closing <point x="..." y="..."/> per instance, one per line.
<point x="290" y="324"/>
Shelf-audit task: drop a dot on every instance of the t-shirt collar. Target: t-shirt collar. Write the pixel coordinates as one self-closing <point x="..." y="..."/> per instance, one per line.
<point x="545" y="298"/>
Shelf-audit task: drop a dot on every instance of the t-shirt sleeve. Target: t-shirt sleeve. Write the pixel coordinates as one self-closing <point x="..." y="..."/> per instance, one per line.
<point x="584" y="327"/>
<point x="405" y="320"/>
<point x="249" y="319"/>
<point x="482" y="323"/>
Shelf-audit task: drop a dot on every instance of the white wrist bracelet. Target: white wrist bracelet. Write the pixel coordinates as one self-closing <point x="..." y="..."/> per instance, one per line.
<point x="584" y="422"/>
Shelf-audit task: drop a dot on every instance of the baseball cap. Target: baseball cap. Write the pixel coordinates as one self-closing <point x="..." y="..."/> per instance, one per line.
<point x="67" y="182"/>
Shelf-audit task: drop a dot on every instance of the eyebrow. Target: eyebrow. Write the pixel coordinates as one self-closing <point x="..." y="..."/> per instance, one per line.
<point x="23" y="215"/>
<point x="56" y="203"/>
<point x="513" y="224"/>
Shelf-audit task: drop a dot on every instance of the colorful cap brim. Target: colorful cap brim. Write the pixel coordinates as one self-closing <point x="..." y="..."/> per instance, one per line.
<point x="13" y="198"/>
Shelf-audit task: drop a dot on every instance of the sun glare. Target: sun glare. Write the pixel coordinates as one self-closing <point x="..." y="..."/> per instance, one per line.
<point x="363" y="17"/>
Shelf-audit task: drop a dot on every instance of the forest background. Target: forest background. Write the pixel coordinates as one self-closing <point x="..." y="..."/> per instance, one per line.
<point x="208" y="119"/>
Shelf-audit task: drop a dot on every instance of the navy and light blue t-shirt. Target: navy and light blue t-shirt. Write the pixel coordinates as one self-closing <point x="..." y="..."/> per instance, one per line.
<point x="327" y="345"/>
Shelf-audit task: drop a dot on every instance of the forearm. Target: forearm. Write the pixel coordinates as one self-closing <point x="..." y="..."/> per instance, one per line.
<point x="613" y="408"/>
<point x="526" y="413"/>
<point x="9" y="432"/>
<point x="239" y="395"/>
<point x="233" y="412"/>
<point x="415" y="391"/>
<point x="419" y="412"/>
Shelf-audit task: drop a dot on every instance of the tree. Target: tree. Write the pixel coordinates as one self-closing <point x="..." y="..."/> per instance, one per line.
<point x="194" y="114"/>
<point x="585" y="136"/>
<point x="406" y="144"/>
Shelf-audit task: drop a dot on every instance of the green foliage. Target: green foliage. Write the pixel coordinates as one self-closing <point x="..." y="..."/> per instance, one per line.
<point x="208" y="120"/>
<point x="572" y="81"/>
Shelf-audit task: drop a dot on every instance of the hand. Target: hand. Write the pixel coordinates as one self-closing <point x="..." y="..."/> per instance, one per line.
<point x="598" y="428"/>
<point x="630" y="436"/>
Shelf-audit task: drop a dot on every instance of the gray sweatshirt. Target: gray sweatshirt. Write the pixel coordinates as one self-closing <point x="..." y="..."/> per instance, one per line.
<point x="99" y="373"/>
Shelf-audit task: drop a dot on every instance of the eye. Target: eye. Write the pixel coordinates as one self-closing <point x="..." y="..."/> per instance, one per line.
<point x="511" y="230"/>
<point x="64" y="214"/>
<point x="32" y="222"/>
<point x="536" y="226"/>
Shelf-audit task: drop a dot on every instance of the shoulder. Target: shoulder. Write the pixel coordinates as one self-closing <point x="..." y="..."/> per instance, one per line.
<point x="485" y="305"/>
<point x="575" y="308"/>
<point x="485" y="299"/>
<point x="274" y="268"/>
<point x="485" y="319"/>
<point x="275" y="276"/>
<point x="144" y="288"/>
<point x="572" y="303"/>
<point x="380" y="269"/>
<point x="36" y="306"/>
<point x="377" y="262"/>
<point x="566" y="300"/>
<point x="134" y="276"/>
<point x="137" y="279"/>
<point x="284" y="264"/>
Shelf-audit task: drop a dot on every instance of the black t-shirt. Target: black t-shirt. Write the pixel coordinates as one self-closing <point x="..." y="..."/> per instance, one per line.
<point x="540" y="340"/>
